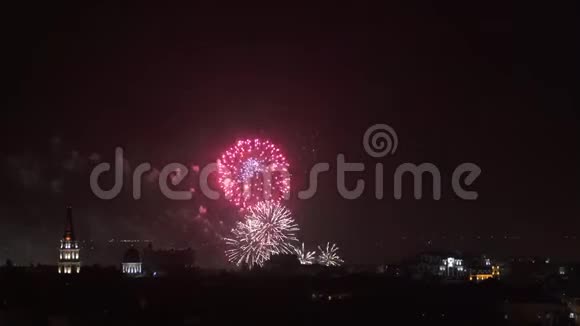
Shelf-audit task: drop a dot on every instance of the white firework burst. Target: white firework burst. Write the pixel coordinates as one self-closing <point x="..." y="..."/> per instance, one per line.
<point x="242" y="247"/>
<point x="305" y="257"/>
<point x="329" y="257"/>
<point x="267" y="229"/>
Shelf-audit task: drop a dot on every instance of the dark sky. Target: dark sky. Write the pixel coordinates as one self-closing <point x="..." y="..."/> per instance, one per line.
<point x="489" y="84"/>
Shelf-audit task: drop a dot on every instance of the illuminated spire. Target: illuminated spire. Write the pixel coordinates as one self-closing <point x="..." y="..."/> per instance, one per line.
<point x="68" y="229"/>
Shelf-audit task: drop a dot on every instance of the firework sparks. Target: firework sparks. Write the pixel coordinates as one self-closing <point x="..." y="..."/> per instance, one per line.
<point x="243" y="248"/>
<point x="267" y="229"/>
<point x="252" y="171"/>
<point x="329" y="257"/>
<point x="305" y="257"/>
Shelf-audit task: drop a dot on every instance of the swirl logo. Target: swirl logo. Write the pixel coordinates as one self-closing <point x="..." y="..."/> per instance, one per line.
<point x="380" y="140"/>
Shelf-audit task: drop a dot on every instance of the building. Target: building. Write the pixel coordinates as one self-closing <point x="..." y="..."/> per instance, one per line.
<point x="484" y="268"/>
<point x="452" y="268"/>
<point x="574" y="307"/>
<point x="162" y="262"/>
<point x="426" y="265"/>
<point x="69" y="253"/>
<point x="287" y="263"/>
<point x="132" y="262"/>
<point x="485" y="274"/>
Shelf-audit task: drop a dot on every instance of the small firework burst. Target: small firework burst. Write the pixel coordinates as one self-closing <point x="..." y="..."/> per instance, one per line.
<point x="267" y="229"/>
<point x="329" y="257"/>
<point x="252" y="171"/>
<point x="305" y="257"/>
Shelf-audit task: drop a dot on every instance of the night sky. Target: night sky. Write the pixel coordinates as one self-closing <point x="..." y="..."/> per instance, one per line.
<point x="490" y="84"/>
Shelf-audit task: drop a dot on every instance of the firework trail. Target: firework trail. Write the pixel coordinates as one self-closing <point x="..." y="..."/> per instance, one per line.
<point x="305" y="257"/>
<point x="329" y="257"/>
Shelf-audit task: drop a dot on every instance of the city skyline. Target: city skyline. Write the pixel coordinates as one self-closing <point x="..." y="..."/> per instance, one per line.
<point x="494" y="88"/>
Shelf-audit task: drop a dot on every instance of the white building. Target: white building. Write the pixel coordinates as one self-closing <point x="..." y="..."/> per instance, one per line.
<point x="69" y="261"/>
<point x="132" y="262"/>
<point x="452" y="268"/>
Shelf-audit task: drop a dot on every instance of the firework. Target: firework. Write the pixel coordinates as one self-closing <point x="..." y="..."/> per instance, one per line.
<point x="305" y="257"/>
<point x="242" y="246"/>
<point x="267" y="229"/>
<point x="252" y="171"/>
<point x="329" y="257"/>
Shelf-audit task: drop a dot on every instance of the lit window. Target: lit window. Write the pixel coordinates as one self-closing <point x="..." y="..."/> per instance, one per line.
<point x="562" y="270"/>
<point x="450" y="261"/>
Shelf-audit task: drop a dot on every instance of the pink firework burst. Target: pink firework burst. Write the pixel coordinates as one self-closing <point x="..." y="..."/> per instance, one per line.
<point x="252" y="171"/>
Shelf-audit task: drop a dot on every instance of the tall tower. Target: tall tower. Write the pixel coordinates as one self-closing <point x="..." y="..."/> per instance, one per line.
<point x="69" y="260"/>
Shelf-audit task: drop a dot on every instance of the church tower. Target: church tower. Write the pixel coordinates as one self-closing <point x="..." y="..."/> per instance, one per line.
<point x="69" y="260"/>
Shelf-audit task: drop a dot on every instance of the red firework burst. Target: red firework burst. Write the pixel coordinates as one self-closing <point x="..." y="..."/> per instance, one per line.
<point x="252" y="171"/>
